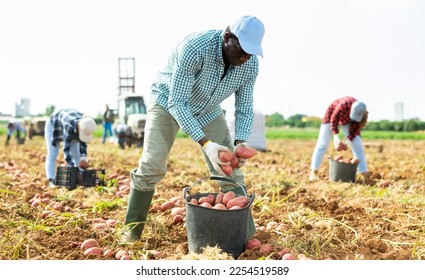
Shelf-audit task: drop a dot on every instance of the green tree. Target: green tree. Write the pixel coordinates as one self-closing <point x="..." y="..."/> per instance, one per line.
<point x="398" y="126"/>
<point x="49" y="110"/>
<point x="410" y="125"/>
<point x="296" y="120"/>
<point x="386" y="125"/>
<point x="313" y="123"/>
<point x="274" y="120"/>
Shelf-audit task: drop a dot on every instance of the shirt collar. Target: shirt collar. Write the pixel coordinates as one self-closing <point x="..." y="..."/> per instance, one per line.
<point x="219" y="55"/>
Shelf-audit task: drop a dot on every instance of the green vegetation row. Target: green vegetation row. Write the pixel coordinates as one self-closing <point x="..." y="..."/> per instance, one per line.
<point x="303" y="121"/>
<point x="304" y="134"/>
<point x="311" y="133"/>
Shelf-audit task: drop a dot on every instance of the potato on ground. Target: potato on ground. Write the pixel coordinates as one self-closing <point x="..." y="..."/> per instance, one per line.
<point x="120" y="254"/>
<point x="178" y="219"/>
<point x="88" y="243"/>
<point x="108" y="253"/>
<point x="253" y="243"/>
<point x="288" y="256"/>
<point x="177" y="211"/>
<point x="93" y="251"/>
<point x="167" y="205"/>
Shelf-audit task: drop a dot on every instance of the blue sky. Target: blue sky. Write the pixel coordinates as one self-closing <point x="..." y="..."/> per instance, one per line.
<point x="66" y="52"/>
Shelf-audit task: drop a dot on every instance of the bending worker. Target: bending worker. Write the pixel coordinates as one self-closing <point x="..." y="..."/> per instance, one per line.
<point x="12" y="126"/>
<point x="350" y="115"/>
<point x="204" y="69"/>
<point x="75" y="130"/>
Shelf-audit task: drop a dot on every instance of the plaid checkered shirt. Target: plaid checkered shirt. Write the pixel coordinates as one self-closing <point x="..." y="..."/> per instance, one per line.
<point x="65" y="129"/>
<point x="338" y="113"/>
<point x="193" y="84"/>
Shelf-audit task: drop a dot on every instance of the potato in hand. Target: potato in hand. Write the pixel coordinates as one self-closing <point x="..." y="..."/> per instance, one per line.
<point x="84" y="164"/>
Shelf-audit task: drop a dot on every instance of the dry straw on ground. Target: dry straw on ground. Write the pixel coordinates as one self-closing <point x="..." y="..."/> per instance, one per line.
<point x="320" y="220"/>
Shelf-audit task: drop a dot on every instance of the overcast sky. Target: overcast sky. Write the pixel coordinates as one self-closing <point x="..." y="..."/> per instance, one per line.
<point x="66" y="53"/>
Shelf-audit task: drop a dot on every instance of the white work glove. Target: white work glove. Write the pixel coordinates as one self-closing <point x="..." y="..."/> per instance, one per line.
<point x="241" y="161"/>
<point x="339" y="146"/>
<point x="212" y="149"/>
<point x="347" y="142"/>
<point x="84" y="163"/>
<point x="336" y="141"/>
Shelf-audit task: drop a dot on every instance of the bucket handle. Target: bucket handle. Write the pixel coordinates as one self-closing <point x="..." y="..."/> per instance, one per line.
<point x="217" y="178"/>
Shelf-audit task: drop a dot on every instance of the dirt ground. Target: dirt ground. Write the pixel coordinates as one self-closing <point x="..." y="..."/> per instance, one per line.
<point x="320" y="220"/>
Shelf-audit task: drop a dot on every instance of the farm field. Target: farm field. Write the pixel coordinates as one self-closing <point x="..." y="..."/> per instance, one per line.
<point x="321" y="221"/>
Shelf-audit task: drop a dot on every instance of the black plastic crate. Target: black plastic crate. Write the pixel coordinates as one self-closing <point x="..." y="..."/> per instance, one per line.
<point x="90" y="177"/>
<point x="66" y="177"/>
<point x="71" y="177"/>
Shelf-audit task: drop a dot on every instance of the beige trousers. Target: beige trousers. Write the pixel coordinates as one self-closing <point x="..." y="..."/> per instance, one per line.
<point x="160" y="132"/>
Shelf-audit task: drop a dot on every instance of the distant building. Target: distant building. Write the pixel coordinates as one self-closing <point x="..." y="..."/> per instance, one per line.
<point x="22" y="109"/>
<point x="399" y="111"/>
<point x="5" y="115"/>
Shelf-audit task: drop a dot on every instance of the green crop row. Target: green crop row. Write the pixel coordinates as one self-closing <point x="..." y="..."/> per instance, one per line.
<point x="309" y="133"/>
<point x="304" y="133"/>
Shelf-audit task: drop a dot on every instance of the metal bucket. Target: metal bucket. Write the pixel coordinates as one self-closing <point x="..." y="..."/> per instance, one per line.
<point x="341" y="171"/>
<point x="226" y="229"/>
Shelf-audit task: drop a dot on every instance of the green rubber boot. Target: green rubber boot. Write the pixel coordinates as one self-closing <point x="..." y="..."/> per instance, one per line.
<point x="137" y="213"/>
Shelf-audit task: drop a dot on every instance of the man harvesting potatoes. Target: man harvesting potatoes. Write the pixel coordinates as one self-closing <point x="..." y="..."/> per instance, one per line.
<point x="350" y="115"/>
<point x="204" y="69"/>
<point x="75" y="130"/>
<point x="15" y="125"/>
